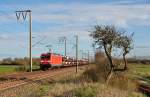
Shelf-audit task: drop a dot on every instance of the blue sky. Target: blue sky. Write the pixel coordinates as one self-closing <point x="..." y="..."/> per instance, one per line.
<point x="55" y="18"/>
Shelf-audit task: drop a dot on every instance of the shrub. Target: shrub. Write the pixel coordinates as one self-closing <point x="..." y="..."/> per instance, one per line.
<point x="43" y="90"/>
<point x="85" y="92"/>
<point x="96" y="73"/>
<point x="123" y="82"/>
<point x="99" y="71"/>
<point x="21" y="68"/>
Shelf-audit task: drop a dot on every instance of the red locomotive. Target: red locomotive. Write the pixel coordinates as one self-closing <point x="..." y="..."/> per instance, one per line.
<point x="49" y="60"/>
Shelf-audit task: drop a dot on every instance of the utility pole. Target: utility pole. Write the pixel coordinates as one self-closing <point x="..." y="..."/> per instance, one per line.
<point x="24" y="14"/>
<point x="65" y="47"/>
<point x="82" y="54"/>
<point x="30" y="41"/>
<point x="64" y="40"/>
<point x="76" y="53"/>
<point x="88" y="57"/>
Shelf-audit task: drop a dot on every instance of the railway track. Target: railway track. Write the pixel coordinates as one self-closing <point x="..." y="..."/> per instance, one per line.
<point x="25" y="78"/>
<point x="144" y="86"/>
<point x="145" y="89"/>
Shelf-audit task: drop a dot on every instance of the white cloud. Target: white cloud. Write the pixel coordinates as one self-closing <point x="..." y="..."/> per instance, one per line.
<point x="112" y="12"/>
<point x="121" y="15"/>
<point x="74" y="19"/>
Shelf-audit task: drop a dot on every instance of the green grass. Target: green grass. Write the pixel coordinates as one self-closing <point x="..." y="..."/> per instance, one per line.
<point x="68" y="85"/>
<point x="12" y="68"/>
<point x="140" y="71"/>
<point x="7" y="69"/>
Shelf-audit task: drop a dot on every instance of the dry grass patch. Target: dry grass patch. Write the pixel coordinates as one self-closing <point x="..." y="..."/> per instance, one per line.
<point x="71" y="85"/>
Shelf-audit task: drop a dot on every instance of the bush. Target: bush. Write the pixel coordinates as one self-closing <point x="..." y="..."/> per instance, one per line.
<point x="90" y="75"/>
<point x="123" y="82"/>
<point x="21" y="68"/>
<point x="120" y="80"/>
<point x="19" y="61"/>
<point x="43" y="90"/>
<point x="85" y="92"/>
<point x="99" y="71"/>
<point x="96" y="73"/>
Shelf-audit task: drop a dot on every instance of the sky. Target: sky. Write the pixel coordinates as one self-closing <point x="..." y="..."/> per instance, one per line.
<point x="52" y="19"/>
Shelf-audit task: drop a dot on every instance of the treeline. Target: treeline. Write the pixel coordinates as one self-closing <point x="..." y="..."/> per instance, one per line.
<point x="19" y="61"/>
<point x="138" y="61"/>
<point x="36" y="61"/>
<point x="99" y="56"/>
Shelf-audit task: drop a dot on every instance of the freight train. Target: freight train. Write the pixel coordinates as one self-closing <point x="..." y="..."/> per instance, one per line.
<point x="50" y="60"/>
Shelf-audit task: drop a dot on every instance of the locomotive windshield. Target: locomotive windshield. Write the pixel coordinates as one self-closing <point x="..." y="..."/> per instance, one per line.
<point x="45" y="57"/>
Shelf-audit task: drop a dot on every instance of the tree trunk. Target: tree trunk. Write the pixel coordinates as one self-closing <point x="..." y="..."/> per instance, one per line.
<point x="111" y="64"/>
<point x="125" y="61"/>
<point x="109" y="75"/>
<point x="108" y="56"/>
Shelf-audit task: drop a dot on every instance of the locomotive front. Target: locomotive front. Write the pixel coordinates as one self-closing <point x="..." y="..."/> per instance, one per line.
<point x="45" y="61"/>
<point x="49" y="60"/>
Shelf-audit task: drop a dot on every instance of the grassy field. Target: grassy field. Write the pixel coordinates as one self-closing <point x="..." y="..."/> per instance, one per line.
<point x="140" y="69"/>
<point x="71" y="85"/>
<point x="7" y="68"/>
<point x="4" y="69"/>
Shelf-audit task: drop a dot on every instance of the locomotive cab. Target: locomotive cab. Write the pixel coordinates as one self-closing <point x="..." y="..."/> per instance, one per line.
<point x="45" y="61"/>
<point x="49" y="60"/>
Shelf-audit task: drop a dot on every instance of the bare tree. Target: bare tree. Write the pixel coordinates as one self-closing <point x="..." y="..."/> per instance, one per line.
<point x="125" y="43"/>
<point x="105" y="36"/>
<point x="108" y="37"/>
